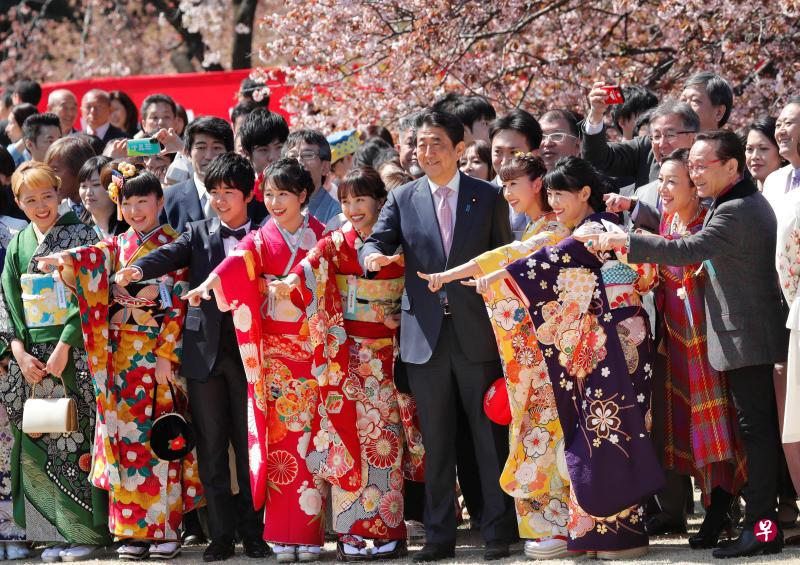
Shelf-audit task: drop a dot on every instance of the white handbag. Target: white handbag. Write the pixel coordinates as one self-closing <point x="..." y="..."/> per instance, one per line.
<point x="49" y="415"/>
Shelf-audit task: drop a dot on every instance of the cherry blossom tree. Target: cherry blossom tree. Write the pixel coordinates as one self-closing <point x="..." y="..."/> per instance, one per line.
<point x="361" y="61"/>
<point x="52" y="40"/>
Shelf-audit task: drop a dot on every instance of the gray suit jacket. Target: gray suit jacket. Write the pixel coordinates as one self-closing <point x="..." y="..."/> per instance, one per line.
<point x="408" y="219"/>
<point x="745" y="321"/>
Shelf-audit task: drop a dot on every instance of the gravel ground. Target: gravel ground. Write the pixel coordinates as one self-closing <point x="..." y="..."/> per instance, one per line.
<point x="666" y="549"/>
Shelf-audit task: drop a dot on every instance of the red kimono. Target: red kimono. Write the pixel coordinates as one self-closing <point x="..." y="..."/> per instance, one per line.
<point x="276" y="351"/>
<point x="340" y="300"/>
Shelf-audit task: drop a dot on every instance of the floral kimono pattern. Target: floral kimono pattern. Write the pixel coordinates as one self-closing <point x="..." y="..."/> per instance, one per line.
<point x="53" y="498"/>
<point x="339" y="300"/>
<point x="283" y="393"/>
<point x="788" y="263"/>
<point x="534" y="473"/>
<point x="597" y="348"/>
<point x="9" y="531"/>
<point x="701" y="436"/>
<point x="125" y="330"/>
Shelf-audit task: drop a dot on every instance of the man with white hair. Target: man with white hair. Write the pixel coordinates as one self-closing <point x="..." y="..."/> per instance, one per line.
<point x="64" y="104"/>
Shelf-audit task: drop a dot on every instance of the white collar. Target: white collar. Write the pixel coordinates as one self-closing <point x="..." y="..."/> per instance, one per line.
<point x="38" y="233"/>
<point x="200" y="186"/>
<point x="453" y="183"/>
<point x="245" y="225"/>
<point x="100" y="131"/>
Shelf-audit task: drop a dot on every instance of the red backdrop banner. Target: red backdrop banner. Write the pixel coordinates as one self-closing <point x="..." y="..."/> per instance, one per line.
<point x="202" y="94"/>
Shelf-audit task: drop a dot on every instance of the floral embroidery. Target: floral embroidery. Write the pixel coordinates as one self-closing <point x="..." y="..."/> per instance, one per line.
<point x="281" y="467"/>
<point x="603" y="417"/>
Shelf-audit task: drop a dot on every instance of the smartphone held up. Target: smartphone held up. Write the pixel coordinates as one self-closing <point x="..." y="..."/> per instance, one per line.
<point x="143" y="147"/>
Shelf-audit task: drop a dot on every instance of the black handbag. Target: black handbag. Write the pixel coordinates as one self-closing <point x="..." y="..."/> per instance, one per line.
<point x="171" y="436"/>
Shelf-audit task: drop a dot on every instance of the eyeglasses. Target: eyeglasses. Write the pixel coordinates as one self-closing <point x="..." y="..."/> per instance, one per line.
<point x="557" y="137"/>
<point x="669" y="136"/>
<point x="304" y="156"/>
<point x="701" y="168"/>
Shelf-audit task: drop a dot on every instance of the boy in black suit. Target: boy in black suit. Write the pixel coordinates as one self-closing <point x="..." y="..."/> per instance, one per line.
<point x="207" y="137"/>
<point x="212" y="364"/>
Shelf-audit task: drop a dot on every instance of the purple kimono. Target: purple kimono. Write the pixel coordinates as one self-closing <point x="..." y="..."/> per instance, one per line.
<point x="597" y="346"/>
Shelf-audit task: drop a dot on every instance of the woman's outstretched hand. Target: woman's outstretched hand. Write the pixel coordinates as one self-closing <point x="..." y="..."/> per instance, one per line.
<point x="435" y="280"/>
<point x="484" y="283"/>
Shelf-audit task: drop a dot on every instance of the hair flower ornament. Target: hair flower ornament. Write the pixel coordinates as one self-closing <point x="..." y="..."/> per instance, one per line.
<point x="127" y="169"/>
<point x="124" y="170"/>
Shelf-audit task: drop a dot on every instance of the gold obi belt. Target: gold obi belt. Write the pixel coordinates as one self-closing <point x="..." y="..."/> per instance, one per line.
<point x="369" y="300"/>
<point x="40" y="302"/>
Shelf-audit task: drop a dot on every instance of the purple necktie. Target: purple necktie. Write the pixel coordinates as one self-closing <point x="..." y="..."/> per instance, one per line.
<point x="445" y="215"/>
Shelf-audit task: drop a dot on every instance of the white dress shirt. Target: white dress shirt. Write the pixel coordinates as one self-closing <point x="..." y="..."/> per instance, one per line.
<point x="99" y="132"/>
<point x="230" y="242"/>
<point x="591" y="128"/>
<point x="204" y="197"/>
<point x="452" y="198"/>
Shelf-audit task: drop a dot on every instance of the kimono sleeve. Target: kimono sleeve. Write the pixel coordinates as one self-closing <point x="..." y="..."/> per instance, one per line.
<point x="72" y="334"/>
<point x="12" y="321"/>
<point x="169" y="340"/>
<point x="87" y="275"/>
<point x="505" y="255"/>
<point x="317" y="268"/>
<point x="788" y="263"/>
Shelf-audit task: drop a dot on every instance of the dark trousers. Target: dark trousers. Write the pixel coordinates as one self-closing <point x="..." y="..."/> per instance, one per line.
<point x="754" y="396"/>
<point x="467" y="469"/>
<point x="219" y="416"/>
<point x="447" y="379"/>
<point x="414" y="501"/>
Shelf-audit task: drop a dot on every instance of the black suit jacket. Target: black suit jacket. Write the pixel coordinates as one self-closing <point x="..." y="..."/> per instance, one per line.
<point x="631" y="159"/>
<point x="200" y="249"/>
<point x="113" y="132"/>
<point x="182" y="205"/>
<point x="408" y="219"/>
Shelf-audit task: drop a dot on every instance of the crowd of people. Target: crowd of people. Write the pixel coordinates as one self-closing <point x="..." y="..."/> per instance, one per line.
<point x="269" y="335"/>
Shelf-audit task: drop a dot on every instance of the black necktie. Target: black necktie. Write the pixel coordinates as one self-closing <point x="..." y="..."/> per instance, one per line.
<point x="225" y="231"/>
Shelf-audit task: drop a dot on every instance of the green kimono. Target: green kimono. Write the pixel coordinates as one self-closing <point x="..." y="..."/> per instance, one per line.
<point x="53" y="499"/>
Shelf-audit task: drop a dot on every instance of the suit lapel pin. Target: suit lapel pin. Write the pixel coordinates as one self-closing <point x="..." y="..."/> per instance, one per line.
<point x="469" y="206"/>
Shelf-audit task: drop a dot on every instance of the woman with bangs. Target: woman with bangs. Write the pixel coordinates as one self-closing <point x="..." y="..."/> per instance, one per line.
<point x="101" y="212"/>
<point x="277" y="347"/>
<point x="338" y="296"/>
<point x="596" y="348"/>
<point x="40" y="325"/>
<point x="141" y="325"/>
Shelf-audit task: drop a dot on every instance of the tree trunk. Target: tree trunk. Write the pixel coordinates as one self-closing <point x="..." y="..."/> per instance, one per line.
<point x="191" y="54"/>
<point x="244" y="17"/>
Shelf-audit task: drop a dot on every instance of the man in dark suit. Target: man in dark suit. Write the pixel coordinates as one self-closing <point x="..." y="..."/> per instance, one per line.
<point x="746" y="332"/>
<point x="63" y="104"/>
<point x="445" y="219"/>
<point x="96" y="113"/>
<point x="189" y="201"/>
<point x="211" y="361"/>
